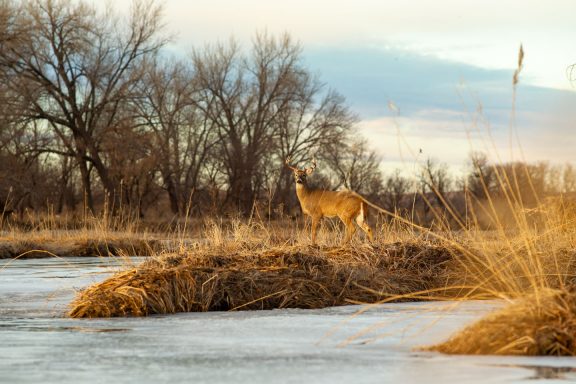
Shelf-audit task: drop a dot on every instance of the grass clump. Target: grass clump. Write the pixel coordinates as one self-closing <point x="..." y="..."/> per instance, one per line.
<point x="259" y="277"/>
<point x="534" y="269"/>
<point x="541" y="324"/>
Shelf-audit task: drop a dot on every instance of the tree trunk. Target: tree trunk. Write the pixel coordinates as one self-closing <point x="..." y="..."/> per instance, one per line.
<point x="173" y="196"/>
<point x="86" y="184"/>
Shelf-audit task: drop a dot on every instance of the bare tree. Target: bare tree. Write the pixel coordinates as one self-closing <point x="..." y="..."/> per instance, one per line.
<point x="355" y="166"/>
<point x="240" y="98"/>
<point x="523" y="184"/>
<point x="481" y="180"/>
<point x="263" y="107"/>
<point x="396" y="187"/>
<point x="569" y="178"/>
<point x="76" y="67"/>
<point x="182" y="136"/>
<point x="307" y="129"/>
<point x="435" y="179"/>
<point x="26" y="176"/>
<point x="436" y="183"/>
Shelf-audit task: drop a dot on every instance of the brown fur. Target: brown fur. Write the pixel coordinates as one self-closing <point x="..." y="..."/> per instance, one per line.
<point x="318" y="203"/>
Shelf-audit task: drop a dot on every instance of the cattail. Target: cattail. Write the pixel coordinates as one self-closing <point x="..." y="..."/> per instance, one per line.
<point x="519" y="68"/>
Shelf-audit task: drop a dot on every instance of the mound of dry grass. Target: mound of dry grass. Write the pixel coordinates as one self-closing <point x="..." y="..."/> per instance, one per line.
<point x="541" y="324"/>
<point x="42" y="248"/>
<point x="261" y="277"/>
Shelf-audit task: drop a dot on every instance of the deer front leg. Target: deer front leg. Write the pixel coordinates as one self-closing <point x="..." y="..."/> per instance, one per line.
<point x="315" y="221"/>
<point x="350" y="230"/>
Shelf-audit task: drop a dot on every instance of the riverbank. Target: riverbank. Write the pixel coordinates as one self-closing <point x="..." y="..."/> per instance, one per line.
<point x="71" y="243"/>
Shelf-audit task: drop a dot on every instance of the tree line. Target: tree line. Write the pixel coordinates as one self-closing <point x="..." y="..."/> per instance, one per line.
<point x="95" y="114"/>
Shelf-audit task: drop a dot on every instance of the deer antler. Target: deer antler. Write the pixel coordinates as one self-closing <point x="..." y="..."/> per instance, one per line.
<point x="288" y="159"/>
<point x="312" y="168"/>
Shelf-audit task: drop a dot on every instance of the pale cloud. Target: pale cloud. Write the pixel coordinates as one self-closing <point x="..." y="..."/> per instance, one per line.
<point x="408" y="139"/>
<point x="448" y="108"/>
<point x="446" y="64"/>
<point x="449" y="136"/>
<point x="485" y="33"/>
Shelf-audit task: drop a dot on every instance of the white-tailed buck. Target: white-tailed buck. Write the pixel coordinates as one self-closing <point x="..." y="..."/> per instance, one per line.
<point x="319" y="203"/>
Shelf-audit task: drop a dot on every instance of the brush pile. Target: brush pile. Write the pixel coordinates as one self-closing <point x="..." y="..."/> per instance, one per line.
<point x="257" y="277"/>
<point x="541" y="324"/>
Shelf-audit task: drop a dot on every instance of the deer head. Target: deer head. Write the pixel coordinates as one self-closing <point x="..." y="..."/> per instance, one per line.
<point x="301" y="174"/>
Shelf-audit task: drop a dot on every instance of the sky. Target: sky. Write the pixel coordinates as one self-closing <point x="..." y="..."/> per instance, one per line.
<point x="426" y="78"/>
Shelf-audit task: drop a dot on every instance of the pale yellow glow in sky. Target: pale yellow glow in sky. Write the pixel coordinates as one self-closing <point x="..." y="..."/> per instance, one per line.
<point x="484" y="33"/>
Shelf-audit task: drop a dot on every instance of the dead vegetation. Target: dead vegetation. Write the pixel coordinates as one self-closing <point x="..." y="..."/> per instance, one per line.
<point x="25" y="249"/>
<point x="62" y="243"/>
<point x="536" y="268"/>
<point x="541" y="324"/>
<point x="259" y="277"/>
<point x="243" y="265"/>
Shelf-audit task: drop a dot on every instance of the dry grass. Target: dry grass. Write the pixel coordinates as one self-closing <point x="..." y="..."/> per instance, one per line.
<point x="256" y="265"/>
<point x="42" y="235"/>
<point x="534" y="265"/>
<point x="249" y="276"/>
<point x="43" y="243"/>
<point x="541" y="324"/>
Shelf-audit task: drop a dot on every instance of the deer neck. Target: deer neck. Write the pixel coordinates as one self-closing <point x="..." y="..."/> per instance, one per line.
<point x="302" y="191"/>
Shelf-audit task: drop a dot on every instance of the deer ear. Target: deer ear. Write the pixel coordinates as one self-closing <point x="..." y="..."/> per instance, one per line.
<point x="309" y="171"/>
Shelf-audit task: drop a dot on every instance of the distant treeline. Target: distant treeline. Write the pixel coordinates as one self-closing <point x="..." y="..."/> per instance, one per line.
<point x="96" y="115"/>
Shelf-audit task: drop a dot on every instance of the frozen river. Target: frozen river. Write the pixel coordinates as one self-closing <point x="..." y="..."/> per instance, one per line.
<point x="333" y="345"/>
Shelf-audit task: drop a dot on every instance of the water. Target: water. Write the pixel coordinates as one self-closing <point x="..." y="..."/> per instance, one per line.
<point x="37" y="344"/>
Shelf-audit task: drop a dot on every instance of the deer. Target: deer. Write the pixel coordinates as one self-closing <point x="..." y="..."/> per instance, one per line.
<point x="347" y="205"/>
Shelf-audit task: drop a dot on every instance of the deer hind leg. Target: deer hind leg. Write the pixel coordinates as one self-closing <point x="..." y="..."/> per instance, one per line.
<point x="362" y="221"/>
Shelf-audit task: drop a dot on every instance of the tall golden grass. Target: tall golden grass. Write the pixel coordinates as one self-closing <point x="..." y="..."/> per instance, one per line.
<point x="263" y="265"/>
<point x="531" y="260"/>
<point x="532" y="264"/>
